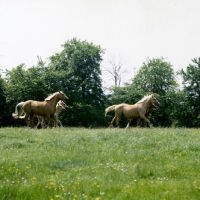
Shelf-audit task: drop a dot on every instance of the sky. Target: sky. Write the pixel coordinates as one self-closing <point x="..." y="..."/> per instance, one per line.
<point x="130" y="30"/>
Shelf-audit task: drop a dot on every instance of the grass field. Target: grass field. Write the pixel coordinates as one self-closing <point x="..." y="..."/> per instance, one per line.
<point x="78" y="163"/>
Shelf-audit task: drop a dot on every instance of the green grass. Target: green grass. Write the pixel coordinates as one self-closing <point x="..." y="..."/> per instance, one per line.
<point x="78" y="163"/>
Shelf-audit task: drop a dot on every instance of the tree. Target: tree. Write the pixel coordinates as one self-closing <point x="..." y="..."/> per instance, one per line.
<point x="191" y="88"/>
<point x="155" y="76"/>
<point x="3" y="115"/>
<point x="23" y="84"/>
<point x="115" y="70"/>
<point x="75" y="71"/>
<point x="78" y="66"/>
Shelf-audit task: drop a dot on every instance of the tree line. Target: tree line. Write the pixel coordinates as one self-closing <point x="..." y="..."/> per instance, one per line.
<point x="76" y="71"/>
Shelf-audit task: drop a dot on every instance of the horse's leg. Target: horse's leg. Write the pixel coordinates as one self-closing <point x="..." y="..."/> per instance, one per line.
<point x="31" y="120"/>
<point x="59" y="122"/>
<point x="129" y="121"/>
<point x="118" y="119"/>
<point x="145" y="123"/>
<point x="55" y="122"/>
<point x="27" y="119"/>
<point x="145" y="119"/>
<point x="48" y="122"/>
<point x="113" y="120"/>
<point x="48" y="119"/>
<point x="139" y="122"/>
<point x="43" y="124"/>
<point x="39" y="122"/>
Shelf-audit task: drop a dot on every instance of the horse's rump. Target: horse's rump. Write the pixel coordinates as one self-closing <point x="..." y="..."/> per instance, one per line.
<point x="109" y="109"/>
<point x="115" y="107"/>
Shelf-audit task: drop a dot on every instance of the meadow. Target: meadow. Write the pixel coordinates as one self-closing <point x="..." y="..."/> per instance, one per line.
<point x="97" y="164"/>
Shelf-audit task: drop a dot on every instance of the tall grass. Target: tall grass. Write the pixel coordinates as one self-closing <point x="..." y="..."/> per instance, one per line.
<point x="78" y="163"/>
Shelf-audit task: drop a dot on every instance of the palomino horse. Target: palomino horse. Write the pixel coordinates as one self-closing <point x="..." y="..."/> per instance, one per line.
<point x="45" y="108"/>
<point x="59" y="107"/>
<point x="140" y="121"/>
<point x="138" y="110"/>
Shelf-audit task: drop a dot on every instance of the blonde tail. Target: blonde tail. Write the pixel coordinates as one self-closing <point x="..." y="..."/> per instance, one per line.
<point x="18" y="110"/>
<point x="109" y="109"/>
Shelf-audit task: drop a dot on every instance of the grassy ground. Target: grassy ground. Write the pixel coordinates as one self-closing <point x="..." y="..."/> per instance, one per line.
<point x="78" y="163"/>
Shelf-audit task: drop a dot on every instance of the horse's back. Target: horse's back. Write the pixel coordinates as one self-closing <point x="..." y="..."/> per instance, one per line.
<point x="119" y="108"/>
<point x="27" y="104"/>
<point x="37" y="107"/>
<point x="33" y="103"/>
<point x="121" y="105"/>
<point x="130" y="111"/>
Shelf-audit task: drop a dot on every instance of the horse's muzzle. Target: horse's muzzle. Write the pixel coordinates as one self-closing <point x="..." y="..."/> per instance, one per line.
<point x="157" y="103"/>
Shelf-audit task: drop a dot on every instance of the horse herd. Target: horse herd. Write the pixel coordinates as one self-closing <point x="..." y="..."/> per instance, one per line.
<point x="49" y="109"/>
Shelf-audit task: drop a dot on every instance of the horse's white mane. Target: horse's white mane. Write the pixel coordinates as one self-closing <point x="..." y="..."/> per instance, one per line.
<point x="144" y="98"/>
<point x="52" y="95"/>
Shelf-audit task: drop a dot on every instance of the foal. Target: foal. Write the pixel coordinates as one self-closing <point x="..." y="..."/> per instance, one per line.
<point x="59" y="107"/>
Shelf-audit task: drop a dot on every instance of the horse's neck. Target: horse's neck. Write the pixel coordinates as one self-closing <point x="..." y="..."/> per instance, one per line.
<point x="58" y="109"/>
<point x="54" y="101"/>
<point x="147" y="104"/>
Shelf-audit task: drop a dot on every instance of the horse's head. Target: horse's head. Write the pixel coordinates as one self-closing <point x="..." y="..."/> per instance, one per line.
<point x="154" y="101"/>
<point x="62" y="96"/>
<point x="62" y="105"/>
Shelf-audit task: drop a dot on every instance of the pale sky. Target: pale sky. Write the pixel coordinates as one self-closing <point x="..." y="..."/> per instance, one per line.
<point x="131" y="29"/>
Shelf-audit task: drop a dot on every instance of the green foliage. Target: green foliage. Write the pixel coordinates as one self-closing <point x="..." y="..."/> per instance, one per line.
<point x="79" y="62"/>
<point x="3" y="117"/>
<point x="79" y="163"/>
<point x="75" y="71"/>
<point x="155" y="76"/>
<point x="164" y="115"/>
<point x="78" y="69"/>
<point x="23" y="84"/>
<point x="126" y="94"/>
<point x="16" y="84"/>
<point x="191" y="83"/>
